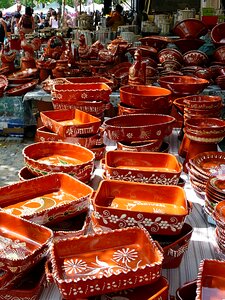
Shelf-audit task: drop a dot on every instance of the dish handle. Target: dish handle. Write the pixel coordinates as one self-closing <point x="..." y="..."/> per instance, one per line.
<point x="48" y="272"/>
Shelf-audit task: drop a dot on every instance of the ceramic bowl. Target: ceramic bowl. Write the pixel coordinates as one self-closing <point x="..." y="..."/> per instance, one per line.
<point x="204" y="102"/>
<point x="25" y="174"/>
<point x="186" y="45"/>
<point x="139" y="127"/>
<point x="124" y="109"/>
<point x="145" y="51"/>
<point x="210" y="277"/>
<point x="99" y="151"/>
<point x="218" y="35"/>
<point x="170" y="54"/>
<point x="105" y="248"/>
<point x="195" y="58"/>
<point x="174" y="247"/>
<point x="141" y="96"/>
<point x="187" y="291"/>
<point x="25" y="244"/>
<point x="146" y="167"/>
<point x="190" y="28"/>
<point x="46" y="157"/>
<point x="75" y="92"/>
<point x="93" y="79"/>
<point x="183" y="85"/>
<point x="120" y="204"/>
<point x="218" y="54"/>
<point x="156" y="41"/>
<point x="70" y="123"/>
<point x="170" y="66"/>
<point x="149" y="146"/>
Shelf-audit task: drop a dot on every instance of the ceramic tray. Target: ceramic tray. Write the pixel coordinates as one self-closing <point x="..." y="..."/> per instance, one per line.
<point x="139" y="127"/>
<point x="146" y="167"/>
<point x="47" y="157"/>
<point x="22" y="89"/>
<point x="23" y="74"/>
<point x="160" y="209"/>
<point x="22" y="245"/>
<point x="70" y="123"/>
<point x="46" y="199"/>
<point x="174" y="247"/>
<point x="29" y="287"/>
<point x="95" y="264"/>
<point x="211" y="280"/>
<point x="89" y="141"/>
<point x="155" y="291"/>
<point x="93" y="79"/>
<point x="74" y="92"/>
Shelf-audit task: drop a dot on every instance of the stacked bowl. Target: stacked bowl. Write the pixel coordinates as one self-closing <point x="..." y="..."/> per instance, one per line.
<point x="214" y="192"/>
<point x="219" y="217"/>
<point x="72" y="126"/>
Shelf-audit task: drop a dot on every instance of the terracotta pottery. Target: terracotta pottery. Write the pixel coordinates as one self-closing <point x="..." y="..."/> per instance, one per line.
<point x="25" y="244"/>
<point x="89" y="141"/>
<point x="170" y="54"/>
<point x="156" y="41"/>
<point x="47" y="199"/>
<point x="99" y="151"/>
<point x="70" y="123"/>
<point x="146" y="167"/>
<point x="145" y="51"/>
<point x="46" y="157"/>
<point x="218" y="54"/>
<point x="106" y="247"/>
<point x="23" y="88"/>
<point x="139" y="127"/>
<point x="186" y="45"/>
<point x="187" y="291"/>
<point x="94" y="79"/>
<point x="141" y="96"/>
<point x="23" y="74"/>
<point x="183" y="85"/>
<point x="75" y="92"/>
<point x="190" y="28"/>
<point x="204" y="102"/>
<point x="217" y="35"/>
<point x="210" y="279"/>
<point x="120" y="204"/>
<point x="149" y="146"/>
<point x="195" y="58"/>
<point x="25" y="174"/>
<point x="174" y="247"/>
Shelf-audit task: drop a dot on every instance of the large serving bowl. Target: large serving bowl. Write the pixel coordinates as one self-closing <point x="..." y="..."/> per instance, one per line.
<point x="120" y="204"/>
<point x="218" y="34"/>
<point x="46" y="157"/>
<point x="195" y="58"/>
<point x="186" y="45"/>
<point x="156" y="41"/>
<point x="24" y="244"/>
<point x="139" y="127"/>
<point x="144" y="96"/>
<point x="146" y="167"/>
<point x="183" y="85"/>
<point x="208" y="130"/>
<point x="204" y="102"/>
<point x="190" y="28"/>
<point x="170" y="54"/>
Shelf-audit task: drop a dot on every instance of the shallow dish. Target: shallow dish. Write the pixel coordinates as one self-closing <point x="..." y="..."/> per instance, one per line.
<point x="23" y="74"/>
<point x="93" y="79"/>
<point x="89" y="141"/>
<point x="100" y="263"/>
<point x="46" y="199"/>
<point x="70" y="123"/>
<point x="161" y="209"/>
<point x="139" y="127"/>
<point x="46" y="157"/>
<point x="75" y="92"/>
<point x="144" y="96"/>
<point x="23" y="244"/>
<point x="22" y="89"/>
<point x="146" y="167"/>
<point x="211" y="279"/>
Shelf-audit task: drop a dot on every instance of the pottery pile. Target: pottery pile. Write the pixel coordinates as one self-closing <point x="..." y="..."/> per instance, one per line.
<point x="171" y="61"/>
<point x="218" y="214"/>
<point x="214" y="192"/>
<point x="202" y="167"/>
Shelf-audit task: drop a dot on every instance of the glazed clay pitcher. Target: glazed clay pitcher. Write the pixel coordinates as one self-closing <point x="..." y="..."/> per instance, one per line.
<point x="137" y="72"/>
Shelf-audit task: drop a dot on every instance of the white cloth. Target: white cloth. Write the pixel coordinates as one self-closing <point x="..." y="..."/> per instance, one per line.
<point x="55" y="23"/>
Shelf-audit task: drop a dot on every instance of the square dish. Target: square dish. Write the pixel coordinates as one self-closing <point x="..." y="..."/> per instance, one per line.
<point x="46" y="199"/>
<point x="146" y="167"/>
<point x="95" y="264"/>
<point x="70" y="122"/>
<point x="22" y="245"/>
<point x="161" y="209"/>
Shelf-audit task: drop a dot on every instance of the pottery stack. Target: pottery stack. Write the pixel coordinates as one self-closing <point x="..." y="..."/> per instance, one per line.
<point x="218" y="213"/>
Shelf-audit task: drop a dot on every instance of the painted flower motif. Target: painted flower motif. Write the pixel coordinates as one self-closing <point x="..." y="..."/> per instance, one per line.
<point x="147" y="222"/>
<point x="84" y="96"/>
<point x="164" y="224"/>
<point x="94" y="287"/>
<point x="130" y="221"/>
<point x="113" y="219"/>
<point x="74" y="266"/>
<point x="69" y="131"/>
<point x="158" y="132"/>
<point x="97" y="215"/>
<point x="77" y="291"/>
<point x="130" y="135"/>
<point x="143" y="278"/>
<point x="125" y="255"/>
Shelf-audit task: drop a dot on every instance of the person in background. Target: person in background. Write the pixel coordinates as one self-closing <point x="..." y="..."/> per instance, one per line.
<point x="116" y="19"/>
<point x="26" y="22"/>
<point x="14" y="25"/>
<point x="53" y="21"/>
<point x="3" y="30"/>
<point x="13" y="21"/>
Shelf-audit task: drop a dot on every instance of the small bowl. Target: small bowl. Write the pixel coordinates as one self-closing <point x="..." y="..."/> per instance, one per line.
<point x="218" y="54"/>
<point x="190" y="28"/>
<point x="170" y="54"/>
<point x="124" y="109"/>
<point x="183" y="85"/>
<point x="186" y="45"/>
<point x="195" y="58"/>
<point x="218" y="34"/>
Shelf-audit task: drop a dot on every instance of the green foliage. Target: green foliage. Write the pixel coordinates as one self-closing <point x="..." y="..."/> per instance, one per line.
<point x="6" y="3"/>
